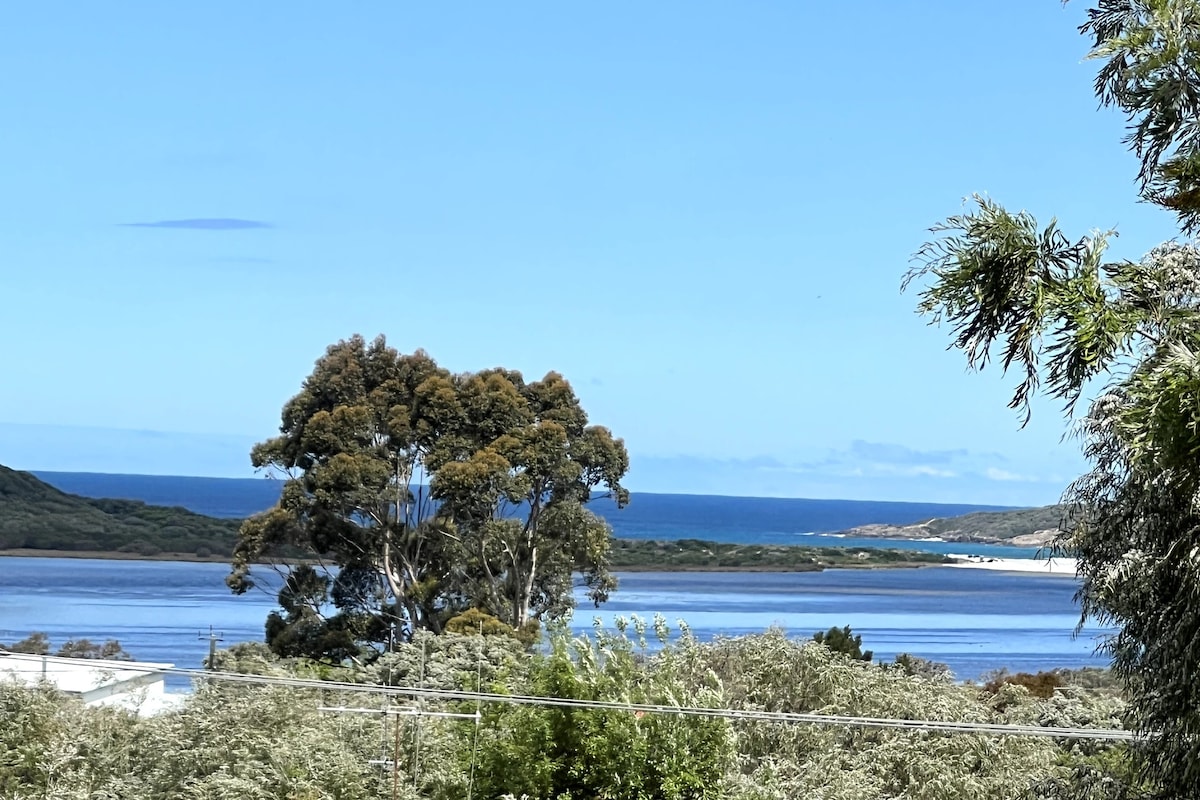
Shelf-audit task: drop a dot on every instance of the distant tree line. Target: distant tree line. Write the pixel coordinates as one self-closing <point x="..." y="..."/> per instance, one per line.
<point x="38" y="644"/>
<point x="699" y="554"/>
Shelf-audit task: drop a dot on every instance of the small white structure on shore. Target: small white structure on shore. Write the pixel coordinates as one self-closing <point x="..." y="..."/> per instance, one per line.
<point x="138" y="686"/>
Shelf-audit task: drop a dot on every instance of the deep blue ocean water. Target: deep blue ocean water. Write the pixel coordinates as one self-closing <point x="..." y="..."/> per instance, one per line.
<point x="745" y="520"/>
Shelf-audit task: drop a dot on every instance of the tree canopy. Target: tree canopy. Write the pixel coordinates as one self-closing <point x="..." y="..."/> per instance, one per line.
<point x="420" y="494"/>
<point x="842" y="640"/>
<point x="38" y="644"/>
<point x="1054" y="308"/>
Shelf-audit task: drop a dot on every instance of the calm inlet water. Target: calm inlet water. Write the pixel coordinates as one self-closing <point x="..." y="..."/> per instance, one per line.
<point x="973" y="620"/>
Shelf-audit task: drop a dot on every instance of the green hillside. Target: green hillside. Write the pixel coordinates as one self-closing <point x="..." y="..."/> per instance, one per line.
<point x="36" y="516"/>
<point x="1000" y="524"/>
<point x="1022" y="527"/>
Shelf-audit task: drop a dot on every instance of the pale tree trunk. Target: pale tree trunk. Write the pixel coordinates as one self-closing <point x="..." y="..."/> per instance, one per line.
<point x="525" y="590"/>
<point x="523" y="583"/>
<point x="491" y="580"/>
<point x="395" y="582"/>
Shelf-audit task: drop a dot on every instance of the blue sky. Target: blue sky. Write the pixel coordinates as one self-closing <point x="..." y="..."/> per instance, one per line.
<point x="700" y="213"/>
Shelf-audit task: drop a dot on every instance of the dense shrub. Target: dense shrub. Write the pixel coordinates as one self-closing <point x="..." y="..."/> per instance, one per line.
<point x="273" y="742"/>
<point x="843" y="640"/>
<point x="1042" y="685"/>
<point x="572" y="752"/>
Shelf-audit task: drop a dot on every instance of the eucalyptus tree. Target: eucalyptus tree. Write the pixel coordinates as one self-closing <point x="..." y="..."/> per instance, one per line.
<point x="418" y="494"/>
<point x="516" y="480"/>
<point x="1072" y="321"/>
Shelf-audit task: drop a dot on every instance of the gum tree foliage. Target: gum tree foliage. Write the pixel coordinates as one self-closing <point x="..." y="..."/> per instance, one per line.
<point x="38" y="644"/>
<point x="843" y="640"/>
<point x="420" y="494"/>
<point x="1054" y="309"/>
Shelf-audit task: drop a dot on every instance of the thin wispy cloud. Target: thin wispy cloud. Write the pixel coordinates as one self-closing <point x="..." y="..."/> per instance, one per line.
<point x="882" y="452"/>
<point x="994" y="474"/>
<point x="896" y="473"/>
<point x="203" y="224"/>
<point x="242" y="260"/>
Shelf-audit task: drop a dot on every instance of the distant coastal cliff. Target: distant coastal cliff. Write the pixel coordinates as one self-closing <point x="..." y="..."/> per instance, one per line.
<point x="1026" y="527"/>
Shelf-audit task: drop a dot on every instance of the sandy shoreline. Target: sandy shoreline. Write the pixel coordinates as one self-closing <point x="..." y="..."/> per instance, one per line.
<point x="1043" y="566"/>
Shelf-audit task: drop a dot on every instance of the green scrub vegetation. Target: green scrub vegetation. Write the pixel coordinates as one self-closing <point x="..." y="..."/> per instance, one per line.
<point x="246" y="741"/>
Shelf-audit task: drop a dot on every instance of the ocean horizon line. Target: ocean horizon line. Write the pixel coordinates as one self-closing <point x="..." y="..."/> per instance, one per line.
<point x="49" y="475"/>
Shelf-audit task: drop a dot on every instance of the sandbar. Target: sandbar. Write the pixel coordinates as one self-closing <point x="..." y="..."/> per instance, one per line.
<point x="1045" y="566"/>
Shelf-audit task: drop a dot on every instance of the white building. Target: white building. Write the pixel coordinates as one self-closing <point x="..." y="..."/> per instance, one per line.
<point x="136" y="685"/>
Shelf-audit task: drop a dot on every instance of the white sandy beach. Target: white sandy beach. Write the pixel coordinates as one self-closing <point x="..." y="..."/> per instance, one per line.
<point x="1046" y="566"/>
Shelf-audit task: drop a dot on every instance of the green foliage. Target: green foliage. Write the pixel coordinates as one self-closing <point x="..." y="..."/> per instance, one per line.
<point x="303" y="630"/>
<point x="923" y="667"/>
<point x="566" y="752"/>
<point x="241" y="741"/>
<point x="1067" y="319"/>
<point x="1043" y="684"/>
<point x="475" y="621"/>
<point x="842" y="640"/>
<point x="999" y="281"/>
<point x="52" y="746"/>
<point x="1150" y="50"/>
<point x="428" y="494"/>
<point x="451" y="661"/>
<point x="268" y="743"/>
<point x="111" y="650"/>
<point x="774" y="673"/>
<point x="984" y="526"/>
<point x="698" y="554"/>
<point x="1110" y="774"/>
<point x="1091" y="678"/>
<point x="35" y="515"/>
<point x="38" y="644"/>
<point x="1133" y="514"/>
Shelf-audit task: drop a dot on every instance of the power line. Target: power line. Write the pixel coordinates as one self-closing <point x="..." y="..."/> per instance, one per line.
<point x="742" y="715"/>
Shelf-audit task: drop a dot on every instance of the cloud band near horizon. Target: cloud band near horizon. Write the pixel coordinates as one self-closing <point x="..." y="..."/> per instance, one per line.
<point x="203" y="224"/>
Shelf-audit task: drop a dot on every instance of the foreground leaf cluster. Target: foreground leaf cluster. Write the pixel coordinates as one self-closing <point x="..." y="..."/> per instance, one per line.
<point x="1072" y="322"/>
<point x="232" y="741"/>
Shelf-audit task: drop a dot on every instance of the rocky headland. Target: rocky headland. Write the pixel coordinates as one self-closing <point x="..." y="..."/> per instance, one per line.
<point x="1024" y="527"/>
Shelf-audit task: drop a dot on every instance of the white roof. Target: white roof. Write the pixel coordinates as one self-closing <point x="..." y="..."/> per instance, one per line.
<point x="75" y="675"/>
